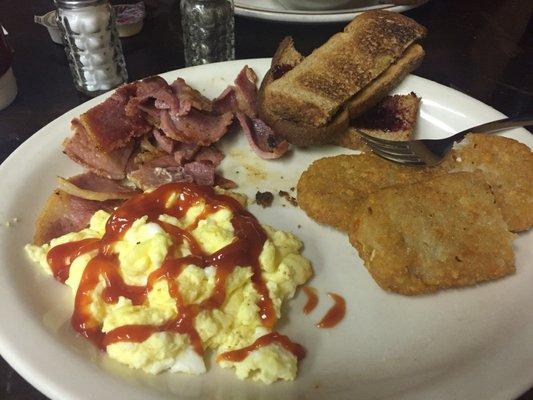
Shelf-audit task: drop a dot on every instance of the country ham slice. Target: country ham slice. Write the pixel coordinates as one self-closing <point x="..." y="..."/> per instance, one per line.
<point x="189" y="97"/>
<point x="165" y="170"/>
<point x="242" y="97"/>
<point x="148" y="177"/>
<point x="246" y="91"/>
<point x="108" y="127"/>
<point x="184" y="152"/>
<point x="64" y="213"/>
<point x="226" y="101"/>
<point x="262" y="138"/>
<point x="79" y="148"/>
<point x="202" y="173"/>
<point x="163" y="142"/>
<point x="90" y="186"/>
<point x="196" y="127"/>
<point x="209" y="154"/>
<point x="153" y="91"/>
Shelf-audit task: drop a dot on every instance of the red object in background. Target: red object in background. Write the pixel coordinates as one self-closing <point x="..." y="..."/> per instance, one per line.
<point x="6" y="53"/>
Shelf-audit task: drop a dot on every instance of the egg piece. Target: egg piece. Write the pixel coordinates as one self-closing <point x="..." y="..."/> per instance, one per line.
<point x="159" y="298"/>
<point x="156" y="354"/>
<point x="215" y="231"/>
<point x="195" y="284"/>
<point x="266" y="364"/>
<point x="213" y="327"/>
<point x="141" y="251"/>
<point x="189" y="362"/>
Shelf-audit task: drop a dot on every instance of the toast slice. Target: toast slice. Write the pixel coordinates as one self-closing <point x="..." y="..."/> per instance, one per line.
<point x="446" y="232"/>
<point x="394" y="118"/>
<point x="285" y="59"/>
<point x="314" y="92"/>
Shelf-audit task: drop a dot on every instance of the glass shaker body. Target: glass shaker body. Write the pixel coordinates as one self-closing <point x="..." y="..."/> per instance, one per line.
<point x="92" y="45"/>
<point x="208" y="31"/>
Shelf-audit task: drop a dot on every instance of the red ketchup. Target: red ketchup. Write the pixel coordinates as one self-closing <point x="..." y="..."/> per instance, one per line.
<point x="244" y="250"/>
<point x="335" y="314"/>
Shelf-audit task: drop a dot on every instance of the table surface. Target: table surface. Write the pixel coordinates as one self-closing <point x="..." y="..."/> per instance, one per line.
<point x="482" y="48"/>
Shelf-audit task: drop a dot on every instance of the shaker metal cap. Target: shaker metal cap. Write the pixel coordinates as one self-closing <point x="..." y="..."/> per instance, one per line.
<point x="77" y="3"/>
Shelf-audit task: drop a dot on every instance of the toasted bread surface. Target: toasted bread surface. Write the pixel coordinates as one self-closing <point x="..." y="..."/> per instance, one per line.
<point x="446" y="232"/>
<point x="313" y="91"/>
<point x="299" y="134"/>
<point x="388" y="80"/>
<point x="508" y="168"/>
<point x="394" y="118"/>
<point x="286" y="54"/>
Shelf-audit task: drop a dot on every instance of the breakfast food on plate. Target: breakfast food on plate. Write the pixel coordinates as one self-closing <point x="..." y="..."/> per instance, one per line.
<point x="331" y="188"/>
<point x="422" y="237"/>
<point x="421" y="229"/>
<point x="153" y="133"/>
<point x="149" y="133"/>
<point x="179" y="270"/>
<point x="70" y="207"/>
<point x="310" y="100"/>
<point x="394" y="118"/>
<point x="508" y="168"/>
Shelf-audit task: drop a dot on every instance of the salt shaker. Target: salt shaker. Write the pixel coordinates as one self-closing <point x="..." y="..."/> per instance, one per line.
<point x="92" y="44"/>
<point x="207" y="31"/>
<point x="8" y="84"/>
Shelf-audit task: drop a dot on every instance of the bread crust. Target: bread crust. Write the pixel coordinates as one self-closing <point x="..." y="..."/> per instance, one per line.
<point x="313" y="92"/>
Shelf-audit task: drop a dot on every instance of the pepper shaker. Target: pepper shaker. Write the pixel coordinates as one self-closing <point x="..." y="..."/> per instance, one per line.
<point x="92" y="44"/>
<point x="208" y="34"/>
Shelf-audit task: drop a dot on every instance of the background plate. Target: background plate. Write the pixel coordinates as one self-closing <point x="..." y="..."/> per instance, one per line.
<point x="472" y="343"/>
<point x="272" y="10"/>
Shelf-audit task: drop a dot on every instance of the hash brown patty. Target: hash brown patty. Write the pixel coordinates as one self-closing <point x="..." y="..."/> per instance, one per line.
<point x="445" y="232"/>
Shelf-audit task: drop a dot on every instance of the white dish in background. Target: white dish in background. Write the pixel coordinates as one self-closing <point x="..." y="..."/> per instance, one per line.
<point x="315" y="4"/>
<point x="472" y="343"/>
<point x="273" y="10"/>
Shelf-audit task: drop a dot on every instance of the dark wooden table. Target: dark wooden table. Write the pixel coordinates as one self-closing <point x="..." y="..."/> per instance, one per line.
<point x="482" y="48"/>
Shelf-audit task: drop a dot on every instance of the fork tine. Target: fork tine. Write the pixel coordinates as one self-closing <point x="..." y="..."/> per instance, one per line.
<point x="399" y="158"/>
<point x="384" y="143"/>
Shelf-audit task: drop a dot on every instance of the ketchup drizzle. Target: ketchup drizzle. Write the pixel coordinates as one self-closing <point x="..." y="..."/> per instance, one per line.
<point x="60" y="257"/>
<point x="241" y="354"/>
<point x="312" y="299"/>
<point x="244" y="250"/>
<point x="335" y="314"/>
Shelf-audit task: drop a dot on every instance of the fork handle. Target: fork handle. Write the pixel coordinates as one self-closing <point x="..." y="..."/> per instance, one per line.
<point x="494" y="126"/>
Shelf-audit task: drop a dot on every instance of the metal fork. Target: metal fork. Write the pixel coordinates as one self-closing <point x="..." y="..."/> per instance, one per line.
<point x="432" y="151"/>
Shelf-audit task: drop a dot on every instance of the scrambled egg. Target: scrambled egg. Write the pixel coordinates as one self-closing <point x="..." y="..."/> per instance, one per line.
<point x="235" y="325"/>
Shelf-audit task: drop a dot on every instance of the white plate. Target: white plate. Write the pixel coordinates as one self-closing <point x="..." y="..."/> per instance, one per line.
<point x="472" y="343"/>
<point x="272" y="10"/>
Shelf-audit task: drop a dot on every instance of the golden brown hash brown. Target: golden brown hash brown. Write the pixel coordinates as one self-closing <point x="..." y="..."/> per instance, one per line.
<point x="330" y="188"/>
<point x="445" y="232"/>
<point x="508" y="168"/>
